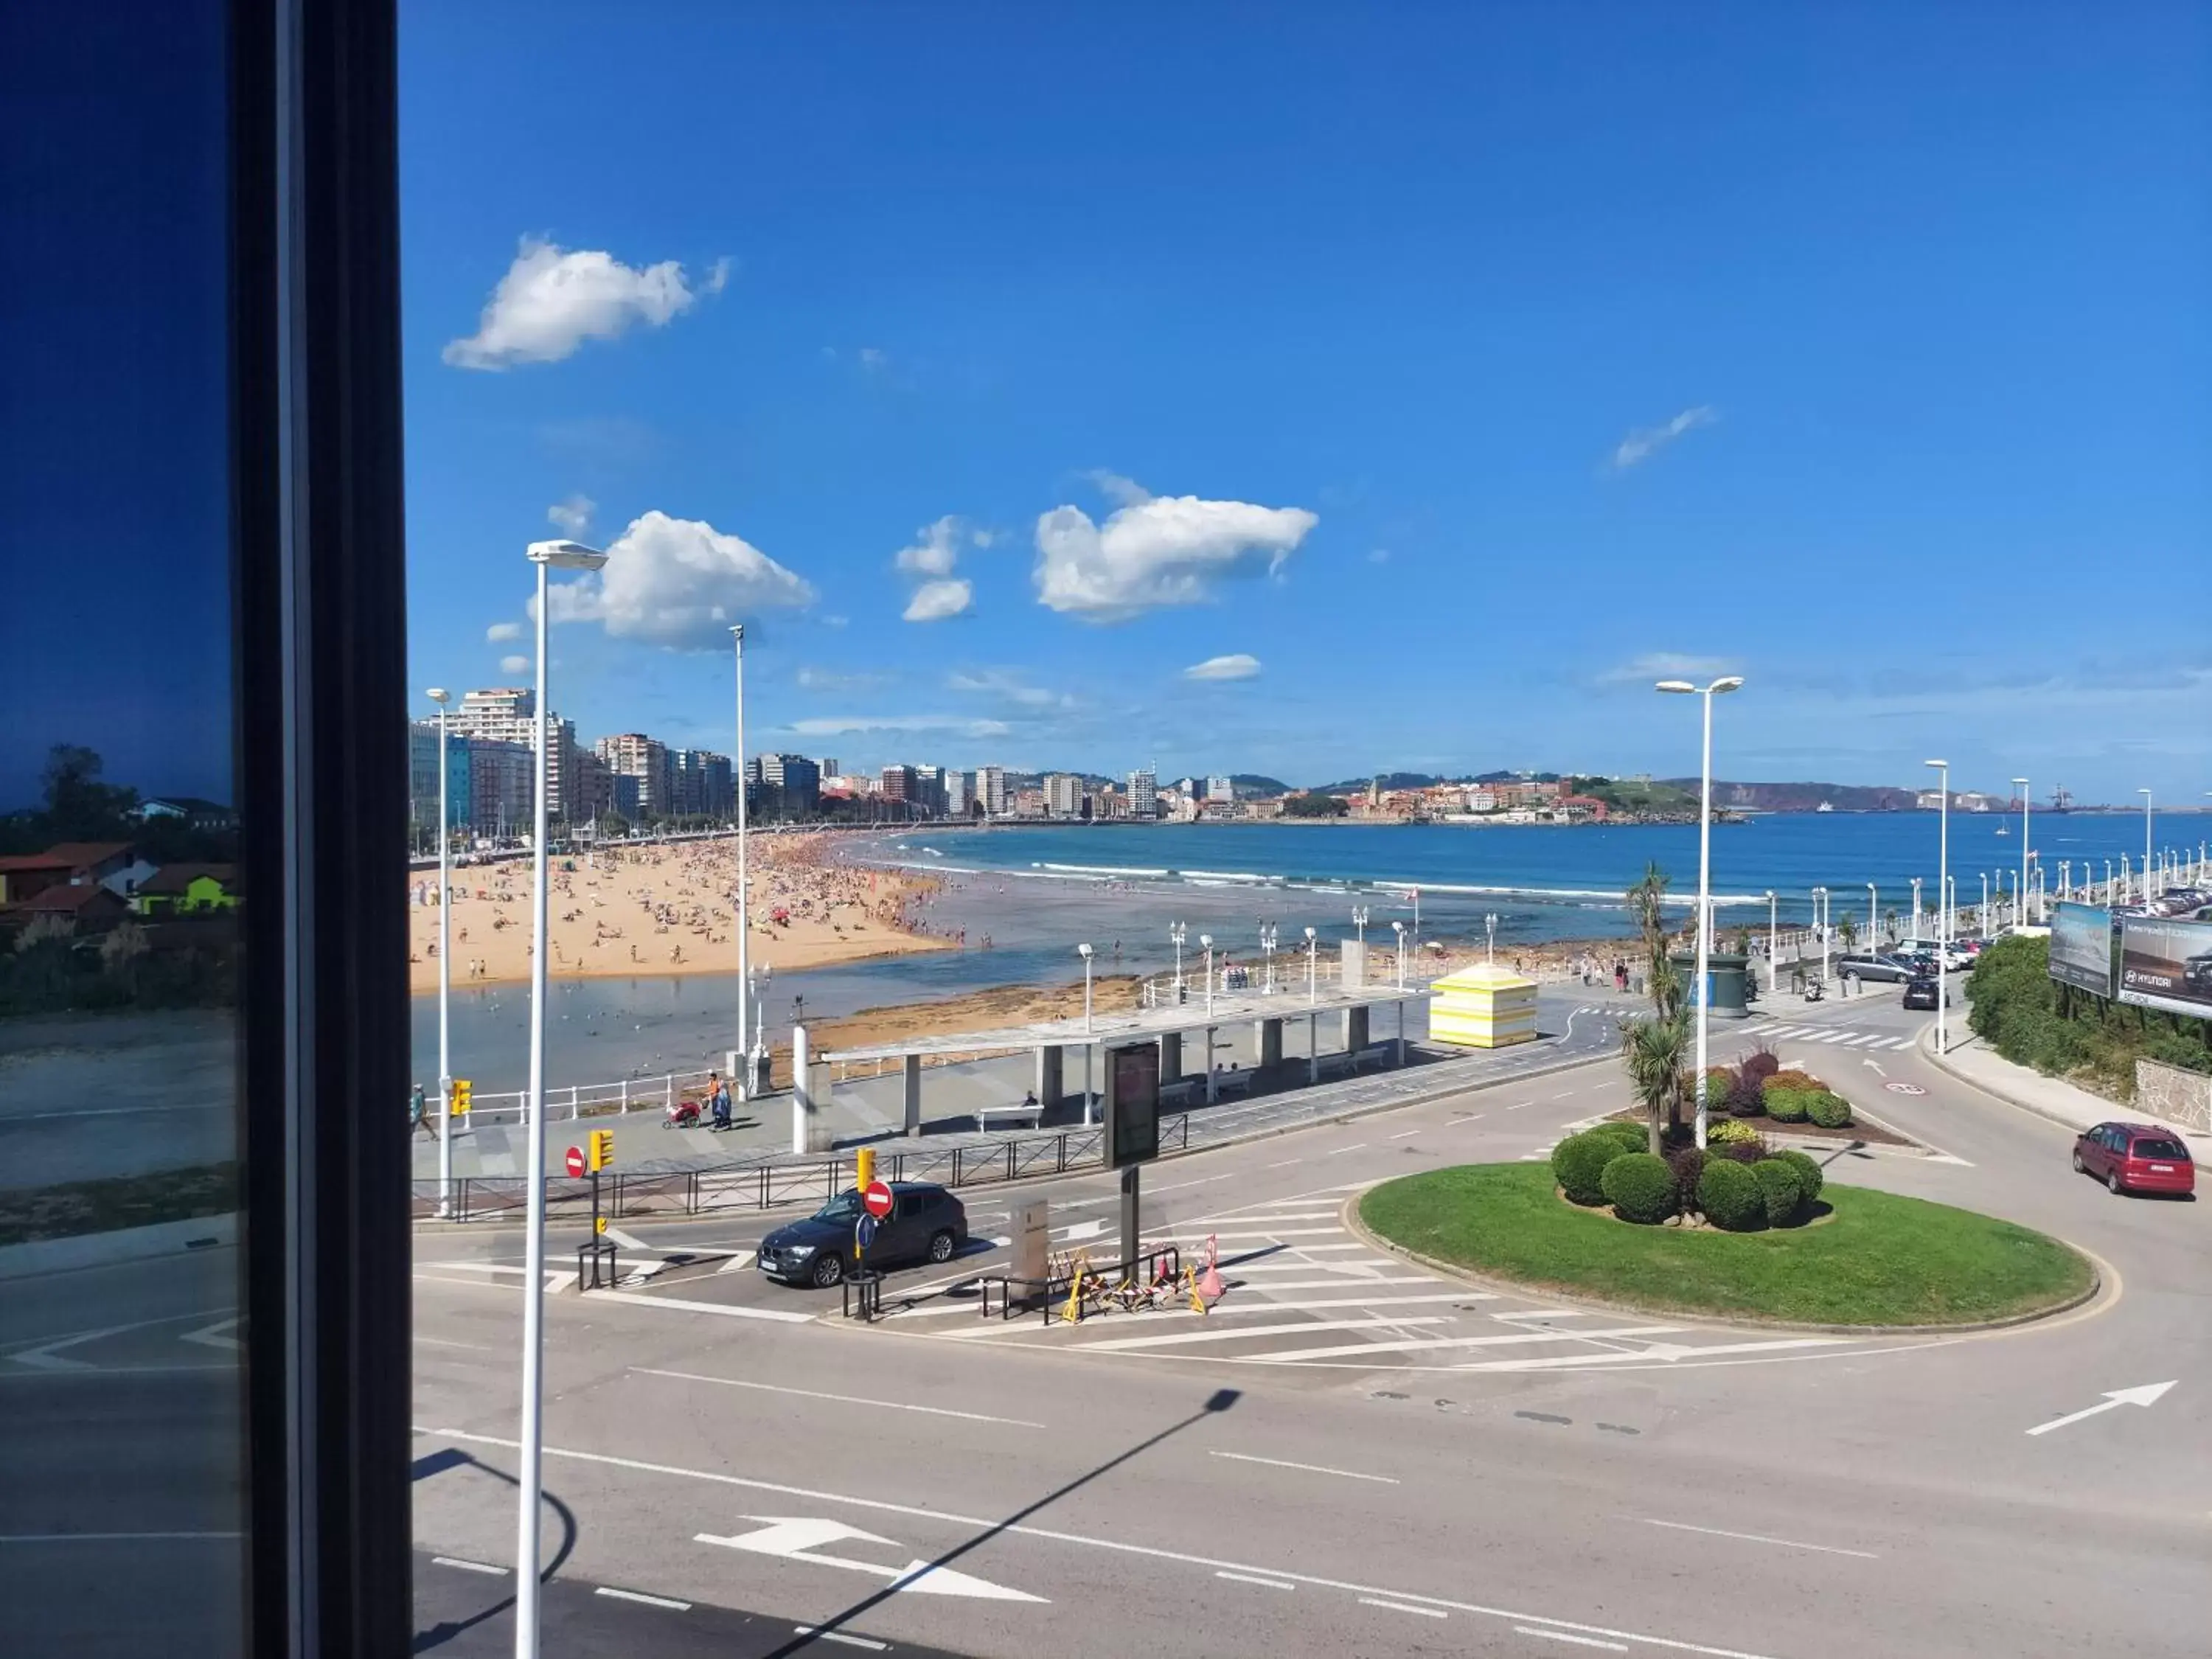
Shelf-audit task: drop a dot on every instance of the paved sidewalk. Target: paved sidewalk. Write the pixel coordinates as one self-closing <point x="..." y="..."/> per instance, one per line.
<point x="1972" y="1061"/>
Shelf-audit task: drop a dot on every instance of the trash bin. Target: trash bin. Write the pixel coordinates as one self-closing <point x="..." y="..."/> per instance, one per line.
<point x="1728" y="983"/>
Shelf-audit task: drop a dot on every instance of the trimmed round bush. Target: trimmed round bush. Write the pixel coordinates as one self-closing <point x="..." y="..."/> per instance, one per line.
<point x="1579" y="1163"/>
<point x="1634" y="1136"/>
<point x="1810" y="1177"/>
<point x="1720" y="1082"/>
<point x="1788" y="1105"/>
<point x="1829" y="1111"/>
<point x="1641" y="1188"/>
<point x="1729" y="1195"/>
<point x="1792" y="1078"/>
<point x="1779" y="1188"/>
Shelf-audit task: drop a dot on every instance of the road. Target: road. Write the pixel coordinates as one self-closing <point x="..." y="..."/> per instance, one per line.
<point x="1350" y="1455"/>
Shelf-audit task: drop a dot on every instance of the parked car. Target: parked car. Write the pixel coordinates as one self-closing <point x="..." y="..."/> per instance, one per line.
<point x="1921" y="991"/>
<point x="926" y="1224"/>
<point x="1875" y="967"/>
<point x="2136" y="1157"/>
<point x="2196" y="974"/>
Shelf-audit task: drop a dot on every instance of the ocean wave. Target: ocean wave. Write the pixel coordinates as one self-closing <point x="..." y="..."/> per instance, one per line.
<point x="1102" y="870"/>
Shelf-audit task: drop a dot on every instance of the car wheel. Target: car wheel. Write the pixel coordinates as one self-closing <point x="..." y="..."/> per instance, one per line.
<point x="828" y="1269"/>
<point x="2080" y="1168"/>
<point x="2113" y="1182"/>
<point x="940" y="1247"/>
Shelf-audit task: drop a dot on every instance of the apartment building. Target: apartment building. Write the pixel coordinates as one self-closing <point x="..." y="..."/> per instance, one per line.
<point x="1063" y="795"/>
<point x="634" y="755"/>
<point x="508" y="714"/>
<point x="991" y="790"/>
<point x="1143" y="795"/>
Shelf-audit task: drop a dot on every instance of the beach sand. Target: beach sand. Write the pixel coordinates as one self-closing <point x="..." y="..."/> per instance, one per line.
<point x="994" y="1009"/>
<point x="670" y="910"/>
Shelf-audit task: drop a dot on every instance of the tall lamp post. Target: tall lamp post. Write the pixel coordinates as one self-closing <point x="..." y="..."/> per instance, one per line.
<point x="1942" y="888"/>
<point x="1490" y="938"/>
<point x="530" y="1480"/>
<point x="1083" y="950"/>
<point x="1359" y="922"/>
<point x="441" y="697"/>
<point x="1175" y="930"/>
<point x="746" y="1036"/>
<point x="1773" y="946"/>
<point x="1874" y="907"/>
<point x="1703" y="990"/>
<point x="1399" y="928"/>
<point x="1206" y="941"/>
<point x="2145" y="793"/>
<point x="2020" y="784"/>
<point x="1821" y="914"/>
<point x="1267" y="936"/>
<point x="1313" y="969"/>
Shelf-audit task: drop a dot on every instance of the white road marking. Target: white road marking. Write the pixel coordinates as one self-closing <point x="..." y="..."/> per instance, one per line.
<point x="1263" y="1306"/>
<point x="1545" y="1313"/>
<point x="1284" y="1164"/>
<point x="1135" y="1344"/>
<point x="1256" y="1237"/>
<point x="1177" y="1186"/>
<point x="217" y="1336"/>
<point x="468" y="1566"/>
<point x="1308" y="1469"/>
<point x="120" y="1537"/>
<point x="728" y="1311"/>
<point x="1403" y="1607"/>
<point x="1659" y="1355"/>
<point x="1402" y="1134"/>
<point x="442" y="1342"/>
<point x="1237" y="1281"/>
<point x="1579" y="1641"/>
<point x="2147" y="1394"/>
<point x="839" y="1637"/>
<point x="797" y="1538"/>
<point x="1454" y="1342"/>
<point x="838" y="1399"/>
<point x="1246" y="1219"/>
<point x="1351" y="1269"/>
<point x="1254" y="1578"/>
<point x="641" y="1598"/>
<point x="1338" y="1151"/>
<point x="1759" y="1538"/>
<point x="629" y="1242"/>
<point x="737" y="1264"/>
<point x="1080" y="1541"/>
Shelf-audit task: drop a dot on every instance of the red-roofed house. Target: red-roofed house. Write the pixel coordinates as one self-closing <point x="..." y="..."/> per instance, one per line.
<point x="85" y="903"/>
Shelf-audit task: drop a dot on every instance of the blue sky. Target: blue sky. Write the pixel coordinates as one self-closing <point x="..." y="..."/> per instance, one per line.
<point x="1439" y="375"/>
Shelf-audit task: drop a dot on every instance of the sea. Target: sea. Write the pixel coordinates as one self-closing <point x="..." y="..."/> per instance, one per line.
<point x="1021" y="900"/>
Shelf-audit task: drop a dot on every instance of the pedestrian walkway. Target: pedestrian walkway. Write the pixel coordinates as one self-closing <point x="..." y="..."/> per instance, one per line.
<point x="1304" y="1291"/>
<point x="1839" y="1036"/>
<point x="2051" y="1097"/>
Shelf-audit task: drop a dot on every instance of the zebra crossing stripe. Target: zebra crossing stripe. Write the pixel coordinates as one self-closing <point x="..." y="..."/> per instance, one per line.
<point x="1181" y="1339"/>
<point x="1430" y="1343"/>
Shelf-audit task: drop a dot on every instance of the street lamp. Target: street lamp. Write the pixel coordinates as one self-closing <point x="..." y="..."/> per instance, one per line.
<point x="1206" y="940"/>
<point x="1268" y="934"/>
<point x="1988" y="925"/>
<point x="2145" y="793"/>
<point x="2020" y="784"/>
<point x="1917" y="880"/>
<point x="1490" y="936"/>
<point x="1083" y="950"/>
<point x="1399" y="928"/>
<point x="1873" y="906"/>
<point x="1942" y="888"/>
<point x="1175" y="930"/>
<point x="1719" y="687"/>
<point x="1359" y="922"/>
<point x="1819" y="926"/>
<point x="747" y="1035"/>
<point x="547" y="556"/>
<point x="1313" y="969"/>
<point x="1773" y="946"/>
<point x="441" y="697"/>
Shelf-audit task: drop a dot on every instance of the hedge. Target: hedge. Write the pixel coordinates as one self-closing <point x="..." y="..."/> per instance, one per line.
<point x="1788" y="1105"/>
<point x="1579" y="1163"/>
<point x="1810" y="1177"/>
<point x="1829" y="1111"/>
<point x="1633" y="1136"/>
<point x="1779" y="1185"/>
<point x="1641" y="1188"/>
<point x="1729" y="1195"/>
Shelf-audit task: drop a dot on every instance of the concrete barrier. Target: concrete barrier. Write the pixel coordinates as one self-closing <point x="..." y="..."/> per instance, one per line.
<point x="2173" y="1095"/>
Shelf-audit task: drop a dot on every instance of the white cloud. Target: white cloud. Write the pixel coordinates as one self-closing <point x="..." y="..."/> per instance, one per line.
<point x="550" y="302"/>
<point x="513" y="665"/>
<point x="935" y="554"/>
<point x="1656" y="666"/>
<point x="840" y="726"/>
<point x="573" y="515"/>
<point x="1646" y="442"/>
<point x="997" y="683"/>
<point x="1236" y="667"/>
<point x="1156" y="550"/>
<point x="872" y="358"/>
<point x="821" y="680"/>
<point x="500" y="633"/>
<point x="1122" y="492"/>
<point x="678" y="583"/>
<point x="938" y="600"/>
<point x="1378" y="556"/>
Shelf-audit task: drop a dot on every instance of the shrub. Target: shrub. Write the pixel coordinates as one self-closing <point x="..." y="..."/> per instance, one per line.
<point x="1788" y="1105"/>
<point x="1747" y="1098"/>
<point x="1778" y="1186"/>
<point x="1790" y="1080"/>
<point x="1634" y="1136"/>
<point x="1810" y="1177"/>
<point x="1730" y="1197"/>
<point x="1579" y="1163"/>
<point x="1641" y="1188"/>
<point x="1760" y="1065"/>
<point x="1728" y="1135"/>
<point x="1829" y="1111"/>
<point x="1687" y="1163"/>
<point x="1720" y="1084"/>
<point x="1745" y="1151"/>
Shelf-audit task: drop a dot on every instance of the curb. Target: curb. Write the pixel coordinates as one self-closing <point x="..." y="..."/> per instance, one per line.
<point x="107" y="1249"/>
<point x="1443" y="1089"/>
<point x="2098" y="1272"/>
<point x="1927" y="1051"/>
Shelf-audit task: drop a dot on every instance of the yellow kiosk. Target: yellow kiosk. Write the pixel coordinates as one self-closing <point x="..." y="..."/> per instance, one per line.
<point x="1485" y="1007"/>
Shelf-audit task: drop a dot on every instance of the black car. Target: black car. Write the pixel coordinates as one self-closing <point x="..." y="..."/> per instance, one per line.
<point x="1873" y="965"/>
<point x="1921" y="991"/>
<point x="2196" y="974"/>
<point x="926" y="1224"/>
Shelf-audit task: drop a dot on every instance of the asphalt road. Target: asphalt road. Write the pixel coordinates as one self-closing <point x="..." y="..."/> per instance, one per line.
<point x="1350" y="1455"/>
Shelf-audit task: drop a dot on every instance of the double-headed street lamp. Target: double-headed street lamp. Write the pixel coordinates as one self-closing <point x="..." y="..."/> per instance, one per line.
<point x="1267" y="936"/>
<point x="747" y="1035"/>
<point x="2020" y="784"/>
<point x="439" y="695"/>
<point x="1718" y="687"/>
<point x="1490" y="938"/>
<point x="1175" y="931"/>
<point x="1359" y="922"/>
<point x="1313" y="969"/>
<point x="2145" y="793"/>
<point x="530" y="1480"/>
<point x="1399" y="928"/>
<point x="1083" y="950"/>
<point x="1206" y="940"/>
<point x="1943" y="897"/>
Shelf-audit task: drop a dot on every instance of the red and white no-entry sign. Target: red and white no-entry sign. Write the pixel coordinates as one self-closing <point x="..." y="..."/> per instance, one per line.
<point x="576" y="1162"/>
<point x="877" y="1198"/>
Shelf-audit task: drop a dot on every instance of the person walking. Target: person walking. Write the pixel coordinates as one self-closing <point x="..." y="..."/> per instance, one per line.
<point x="718" y="1096"/>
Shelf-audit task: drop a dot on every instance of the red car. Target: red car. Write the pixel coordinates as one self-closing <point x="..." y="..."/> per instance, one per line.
<point x="2136" y="1157"/>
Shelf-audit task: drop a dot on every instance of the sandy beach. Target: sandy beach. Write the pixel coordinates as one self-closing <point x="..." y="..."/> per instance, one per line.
<point x="671" y="909"/>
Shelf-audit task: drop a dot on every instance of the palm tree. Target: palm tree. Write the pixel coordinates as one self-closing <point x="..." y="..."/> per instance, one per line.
<point x="1653" y="1051"/>
<point x="1848" y="931"/>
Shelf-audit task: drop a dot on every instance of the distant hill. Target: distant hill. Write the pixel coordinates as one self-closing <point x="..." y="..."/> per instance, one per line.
<point x="1255" y="783"/>
<point x="1388" y="779"/>
<point x="1805" y="797"/>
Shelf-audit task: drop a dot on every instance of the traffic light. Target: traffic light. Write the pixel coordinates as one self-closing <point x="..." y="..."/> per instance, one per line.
<point x="457" y="1100"/>
<point x="864" y="1167"/>
<point x="602" y="1148"/>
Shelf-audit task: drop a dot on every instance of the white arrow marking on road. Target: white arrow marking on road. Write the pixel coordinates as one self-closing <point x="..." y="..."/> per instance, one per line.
<point x="1089" y="1229"/>
<point x="795" y="1538"/>
<point x="2147" y="1394"/>
<point x="1877" y="1064"/>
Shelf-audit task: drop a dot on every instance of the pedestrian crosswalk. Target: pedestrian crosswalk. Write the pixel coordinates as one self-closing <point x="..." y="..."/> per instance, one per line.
<point x="1839" y="1036"/>
<point x="1302" y="1294"/>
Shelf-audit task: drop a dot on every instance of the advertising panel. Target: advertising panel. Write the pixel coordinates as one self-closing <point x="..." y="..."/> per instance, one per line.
<point x="2166" y="964"/>
<point x="1132" y="1103"/>
<point x="2081" y="947"/>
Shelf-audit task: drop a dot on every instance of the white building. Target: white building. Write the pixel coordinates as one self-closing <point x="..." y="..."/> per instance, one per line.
<point x="634" y="755"/>
<point x="1143" y="795"/>
<point x="959" y="793"/>
<point x="1063" y="795"/>
<point x="991" y="790"/>
<point x="509" y="714"/>
<point x="1220" y="789"/>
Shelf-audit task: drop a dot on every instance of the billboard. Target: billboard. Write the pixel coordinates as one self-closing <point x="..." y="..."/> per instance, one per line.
<point x="1132" y="1105"/>
<point x="2166" y="964"/>
<point x="2081" y="947"/>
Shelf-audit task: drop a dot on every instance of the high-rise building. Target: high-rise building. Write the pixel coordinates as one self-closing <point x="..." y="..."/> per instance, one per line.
<point x="1220" y="789"/>
<point x="699" y="784"/>
<point x="593" y="794"/>
<point x="632" y="754"/>
<point x="796" y="781"/>
<point x="422" y="776"/>
<point x="959" y="793"/>
<point x="502" y="785"/>
<point x="991" y="790"/>
<point x="508" y="714"/>
<point x="897" y="783"/>
<point x="826" y="767"/>
<point x="1063" y="795"/>
<point x="929" y="789"/>
<point x="622" y="794"/>
<point x="1143" y="795"/>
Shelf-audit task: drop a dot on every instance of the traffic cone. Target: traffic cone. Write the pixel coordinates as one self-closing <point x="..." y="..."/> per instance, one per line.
<point x="1209" y="1282"/>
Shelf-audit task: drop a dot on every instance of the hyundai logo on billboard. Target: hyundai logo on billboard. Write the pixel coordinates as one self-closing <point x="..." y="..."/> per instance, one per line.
<point x="2166" y="964"/>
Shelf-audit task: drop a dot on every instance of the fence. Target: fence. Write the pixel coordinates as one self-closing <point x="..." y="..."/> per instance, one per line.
<point x="587" y="1099"/>
<point x="766" y="1185"/>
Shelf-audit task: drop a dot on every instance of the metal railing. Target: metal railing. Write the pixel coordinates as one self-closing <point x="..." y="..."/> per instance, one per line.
<point x="765" y="1185"/>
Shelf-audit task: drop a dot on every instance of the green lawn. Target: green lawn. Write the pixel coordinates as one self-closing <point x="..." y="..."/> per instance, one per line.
<point x="1880" y="1260"/>
<point x="114" y="1202"/>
